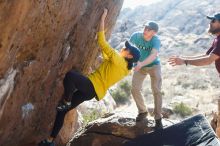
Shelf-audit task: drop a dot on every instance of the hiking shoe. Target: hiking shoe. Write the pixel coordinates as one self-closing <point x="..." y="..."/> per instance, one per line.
<point x="158" y="124"/>
<point x="141" y="116"/>
<point x="46" y="143"/>
<point x="64" y="106"/>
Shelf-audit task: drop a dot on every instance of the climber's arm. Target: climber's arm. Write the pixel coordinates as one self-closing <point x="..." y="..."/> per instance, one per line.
<point x="106" y="49"/>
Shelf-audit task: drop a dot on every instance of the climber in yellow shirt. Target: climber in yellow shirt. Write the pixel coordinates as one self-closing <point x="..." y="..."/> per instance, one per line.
<point x="79" y="88"/>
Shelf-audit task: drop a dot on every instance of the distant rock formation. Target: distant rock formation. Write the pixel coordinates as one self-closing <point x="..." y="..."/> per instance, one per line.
<point x="181" y="23"/>
<point x="39" y="42"/>
<point x="185" y="15"/>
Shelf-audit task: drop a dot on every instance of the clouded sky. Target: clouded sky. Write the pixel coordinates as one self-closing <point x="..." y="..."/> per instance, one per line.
<point x="134" y="3"/>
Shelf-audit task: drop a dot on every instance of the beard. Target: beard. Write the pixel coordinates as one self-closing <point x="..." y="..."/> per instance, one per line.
<point x="214" y="31"/>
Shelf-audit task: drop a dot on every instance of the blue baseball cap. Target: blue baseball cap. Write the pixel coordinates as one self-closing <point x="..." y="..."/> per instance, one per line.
<point x="135" y="52"/>
<point x="216" y="16"/>
<point x="152" y="25"/>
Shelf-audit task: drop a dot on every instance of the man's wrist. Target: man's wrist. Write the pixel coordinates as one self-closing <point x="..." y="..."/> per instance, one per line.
<point x="141" y="64"/>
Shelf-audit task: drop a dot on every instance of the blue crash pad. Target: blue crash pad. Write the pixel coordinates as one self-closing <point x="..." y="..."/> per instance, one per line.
<point x="194" y="131"/>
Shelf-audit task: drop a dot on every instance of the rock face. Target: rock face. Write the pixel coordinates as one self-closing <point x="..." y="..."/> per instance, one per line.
<point x="113" y="130"/>
<point x="39" y="42"/>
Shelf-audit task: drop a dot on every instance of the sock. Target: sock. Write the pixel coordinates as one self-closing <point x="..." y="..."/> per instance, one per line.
<point x="50" y="139"/>
<point x="68" y="103"/>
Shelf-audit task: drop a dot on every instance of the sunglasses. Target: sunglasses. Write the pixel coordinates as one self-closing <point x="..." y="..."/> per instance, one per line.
<point x="213" y="20"/>
<point x="147" y="29"/>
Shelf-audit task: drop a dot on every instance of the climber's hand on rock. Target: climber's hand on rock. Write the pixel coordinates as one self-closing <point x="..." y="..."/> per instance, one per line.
<point x="105" y="12"/>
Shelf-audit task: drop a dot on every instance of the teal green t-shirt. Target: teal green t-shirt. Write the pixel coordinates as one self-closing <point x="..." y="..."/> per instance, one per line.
<point x="146" y="46"/>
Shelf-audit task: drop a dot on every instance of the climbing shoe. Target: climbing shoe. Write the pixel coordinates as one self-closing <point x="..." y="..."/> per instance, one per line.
<point x="158" y="124"/>
<point x="46" y="143"/>
<point x="141" y="116"/>
<point x="64" y="106"/>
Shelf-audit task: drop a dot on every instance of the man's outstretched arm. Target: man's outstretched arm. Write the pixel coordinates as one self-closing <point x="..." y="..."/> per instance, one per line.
<point x="202" y="61"/>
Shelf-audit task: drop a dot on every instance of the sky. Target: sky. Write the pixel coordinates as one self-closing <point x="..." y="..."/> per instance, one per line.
<point x="134" y="3"/>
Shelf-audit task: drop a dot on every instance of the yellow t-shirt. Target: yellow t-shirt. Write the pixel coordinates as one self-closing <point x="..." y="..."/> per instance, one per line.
<point x="113" y="68"/>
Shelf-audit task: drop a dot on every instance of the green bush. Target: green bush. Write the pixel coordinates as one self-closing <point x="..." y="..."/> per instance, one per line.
<point x="91" y="116"/>
<point x="182" y="109"/>
<point x="120" y="97"/>
<point x="125" y="86"/>
<point x="121" y="93"/>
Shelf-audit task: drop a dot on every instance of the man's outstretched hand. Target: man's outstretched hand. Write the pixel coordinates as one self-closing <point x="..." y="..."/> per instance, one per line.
<point x="175" y="60"/>
<point x="138" y="66"/>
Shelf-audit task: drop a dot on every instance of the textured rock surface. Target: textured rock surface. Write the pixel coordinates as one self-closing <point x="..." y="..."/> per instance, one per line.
<point x="113" y="130"/>
<point x="39" y="41"/>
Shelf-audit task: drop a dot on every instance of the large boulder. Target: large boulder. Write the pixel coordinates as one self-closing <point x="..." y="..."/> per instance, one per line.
<point x="113" y="130"/>
<point x="39" y="42"/>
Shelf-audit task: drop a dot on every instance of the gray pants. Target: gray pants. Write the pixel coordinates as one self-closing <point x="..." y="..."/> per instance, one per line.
<point x="156" y="82"/>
